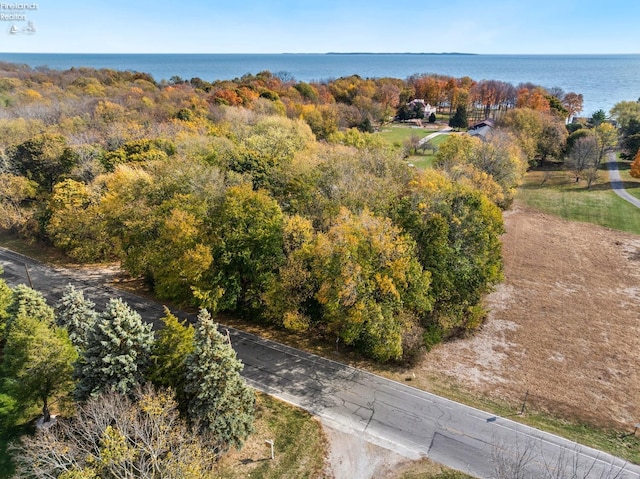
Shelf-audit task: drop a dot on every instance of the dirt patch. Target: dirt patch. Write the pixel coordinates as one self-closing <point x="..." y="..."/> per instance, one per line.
<point x="354" y="457"/>
<point x="564" y="325"/>
<point x="351" y="456"/>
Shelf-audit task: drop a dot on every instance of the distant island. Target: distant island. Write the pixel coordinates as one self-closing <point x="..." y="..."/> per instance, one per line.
<point x="398" y="53"/>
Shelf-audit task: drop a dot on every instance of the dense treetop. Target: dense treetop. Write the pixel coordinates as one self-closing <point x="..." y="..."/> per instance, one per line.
<point x="271" y="198"/>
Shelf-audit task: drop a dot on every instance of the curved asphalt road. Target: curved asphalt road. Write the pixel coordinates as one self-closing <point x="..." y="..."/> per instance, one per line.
<point x="407" y="420"/>
<point x="616" y="181"/>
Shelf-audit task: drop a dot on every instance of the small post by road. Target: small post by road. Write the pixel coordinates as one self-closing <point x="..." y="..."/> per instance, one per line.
<point x="28" y="275"/>
<point x="270" y="442"/>
<point x="524" y="403"/>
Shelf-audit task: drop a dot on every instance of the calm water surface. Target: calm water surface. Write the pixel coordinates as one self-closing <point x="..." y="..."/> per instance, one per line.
<point x="603" y="79"/>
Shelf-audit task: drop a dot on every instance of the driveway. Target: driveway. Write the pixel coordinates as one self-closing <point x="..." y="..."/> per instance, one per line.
<point x="616" y="181"/>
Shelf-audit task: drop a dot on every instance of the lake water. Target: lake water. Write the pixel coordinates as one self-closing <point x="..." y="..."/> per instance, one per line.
<point x="604" y="80"/>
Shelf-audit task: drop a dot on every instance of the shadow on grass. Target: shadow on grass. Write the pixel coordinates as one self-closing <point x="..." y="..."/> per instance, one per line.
<point x="253" y="461"/>
<point x="624" y="165"/>
<point x="553" y="183"/>
<point x="627" y="185"/>
<point x="563" y="183"/>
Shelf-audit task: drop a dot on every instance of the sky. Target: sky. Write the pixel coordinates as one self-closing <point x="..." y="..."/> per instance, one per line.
<point x="315" y="26"/>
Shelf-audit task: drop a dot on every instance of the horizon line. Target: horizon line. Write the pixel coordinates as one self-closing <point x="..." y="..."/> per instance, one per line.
<point x="313" y="53"/>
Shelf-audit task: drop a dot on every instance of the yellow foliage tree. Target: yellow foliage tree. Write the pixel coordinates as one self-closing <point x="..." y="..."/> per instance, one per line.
<point x="75" y="224"/>
<point x="369" y="279"/>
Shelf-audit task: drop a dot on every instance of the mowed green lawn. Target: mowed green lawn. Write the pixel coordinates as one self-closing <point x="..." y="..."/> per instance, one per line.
<point x="397" y="134"/>
<point x="425" y="160"/>
<point x="560" y="195"/>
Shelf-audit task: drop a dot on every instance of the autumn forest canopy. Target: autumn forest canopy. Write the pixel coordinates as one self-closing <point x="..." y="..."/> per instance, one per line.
<point x="275" y="199"/>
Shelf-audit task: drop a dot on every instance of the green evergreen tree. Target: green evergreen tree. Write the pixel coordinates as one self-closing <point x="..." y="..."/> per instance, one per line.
<point x="173" y="343"/>
<point x="28" y="302"/>
<point x="459" y="119"/>
<point x="116" y="354"/>
<point x="219" y="399"/>
<point x="38" y="363"/>
<point x="76" y="314"/>
<point x="6" y="298"/>
<point x="597" y="118"/>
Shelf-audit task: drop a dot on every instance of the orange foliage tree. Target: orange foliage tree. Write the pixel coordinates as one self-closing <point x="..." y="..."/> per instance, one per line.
<point x="635" y="166"/>
<point x="535" y="98"/>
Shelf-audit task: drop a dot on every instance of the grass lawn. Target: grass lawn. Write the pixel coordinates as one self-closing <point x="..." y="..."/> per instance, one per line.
<point x="423" y="158"/>
<point x="397" y="134"/>
<point x="557" y="193"/>
<point x="423" y="161"/>
<point x="300" y="445"/>
<point x="425" y="470"/>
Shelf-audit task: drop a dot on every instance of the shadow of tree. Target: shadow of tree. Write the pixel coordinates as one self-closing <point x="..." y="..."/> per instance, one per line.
<point x="627" y="185"/>
<point x="244" y="462"/>
<point x="624" y="165"/>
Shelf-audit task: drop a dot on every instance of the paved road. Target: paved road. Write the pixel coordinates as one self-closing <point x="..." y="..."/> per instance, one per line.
<point x="616" y="181"/>
<point x="391" y="414"/>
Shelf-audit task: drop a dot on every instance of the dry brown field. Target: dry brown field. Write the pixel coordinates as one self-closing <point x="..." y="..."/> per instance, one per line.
<point x="564" y="325"/>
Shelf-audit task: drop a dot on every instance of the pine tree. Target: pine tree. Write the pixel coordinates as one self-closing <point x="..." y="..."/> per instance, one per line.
<point x="28" y="302"/>
<point x="459" y="119"/>
<point x="76" y="314"/>
<point x="219" y="399"/>
<point x="173" y="344"/>
<point x="116" y="354"/>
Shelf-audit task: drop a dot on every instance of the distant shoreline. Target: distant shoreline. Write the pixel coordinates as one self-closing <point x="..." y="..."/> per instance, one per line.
<point x="603" y="80"/>
<point x="440" y="54"/>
